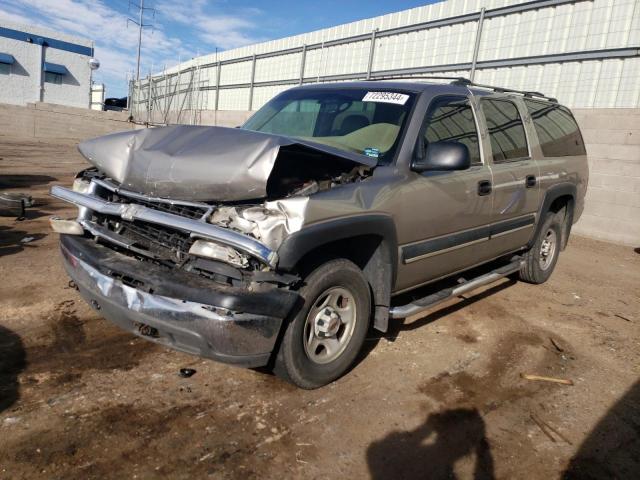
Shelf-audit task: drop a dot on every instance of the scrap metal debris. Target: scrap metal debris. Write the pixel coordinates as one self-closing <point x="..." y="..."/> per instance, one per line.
<point x="556" y="344"/>
<point x="547" y="429"/>
<point x="540" y="378"/>
<point x="14" y="204"/>
<point x="187" y="372"/>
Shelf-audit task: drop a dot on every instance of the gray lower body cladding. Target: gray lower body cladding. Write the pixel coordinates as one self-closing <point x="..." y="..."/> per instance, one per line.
<point x="185" y="312"/>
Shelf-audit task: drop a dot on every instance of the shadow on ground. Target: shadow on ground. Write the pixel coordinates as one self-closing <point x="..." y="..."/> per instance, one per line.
<point x="14" y="240"/>
<point x="12" y="362"/>
<point x="24" y="181"/>
<point x="432" y="450"/>
<point x="612" y="449"/>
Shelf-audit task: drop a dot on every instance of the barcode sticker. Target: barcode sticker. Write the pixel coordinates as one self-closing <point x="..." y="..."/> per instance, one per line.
<point x="386" y="97"/>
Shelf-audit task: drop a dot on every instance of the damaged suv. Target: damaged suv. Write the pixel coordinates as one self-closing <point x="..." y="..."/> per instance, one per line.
<point x="281" y="243"/>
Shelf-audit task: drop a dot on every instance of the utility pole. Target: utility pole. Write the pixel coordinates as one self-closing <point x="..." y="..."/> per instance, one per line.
<point x="141" y="25"/>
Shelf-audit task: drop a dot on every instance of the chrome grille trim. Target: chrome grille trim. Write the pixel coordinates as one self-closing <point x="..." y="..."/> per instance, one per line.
<point x="199" y="228"/>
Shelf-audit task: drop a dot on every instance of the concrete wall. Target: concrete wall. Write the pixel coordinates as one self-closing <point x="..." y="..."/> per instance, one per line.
<point x="612" y="204"/>
<point x="220" y="118"/>
<point x="22" y="84"/>
<point x="43" y="120"/>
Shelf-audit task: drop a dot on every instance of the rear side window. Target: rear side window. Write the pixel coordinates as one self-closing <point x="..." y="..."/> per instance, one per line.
<point x="450" y="119"/>
<point x="557" y="130"/>
<point x="506" y="131"/>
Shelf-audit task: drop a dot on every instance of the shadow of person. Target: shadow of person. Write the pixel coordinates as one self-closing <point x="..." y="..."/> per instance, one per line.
<point x="431" y="450"/>
<point x="612" y="449"/>
<point x="12" y="362"/>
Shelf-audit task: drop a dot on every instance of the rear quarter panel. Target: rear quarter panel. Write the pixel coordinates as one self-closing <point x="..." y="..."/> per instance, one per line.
<point x="558" y="170"/>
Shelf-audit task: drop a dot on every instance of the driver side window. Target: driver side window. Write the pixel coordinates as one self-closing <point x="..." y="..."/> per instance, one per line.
<point x="450" y="119"/>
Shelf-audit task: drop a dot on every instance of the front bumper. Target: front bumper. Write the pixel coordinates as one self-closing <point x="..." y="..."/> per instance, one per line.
<point x="185" y="312"/>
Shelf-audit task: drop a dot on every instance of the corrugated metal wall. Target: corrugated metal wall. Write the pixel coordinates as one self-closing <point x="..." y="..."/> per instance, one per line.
<point x="585" y="52"/>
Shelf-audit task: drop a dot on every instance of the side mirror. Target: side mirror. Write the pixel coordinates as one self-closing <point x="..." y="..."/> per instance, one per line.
<point x="443" y="156"/>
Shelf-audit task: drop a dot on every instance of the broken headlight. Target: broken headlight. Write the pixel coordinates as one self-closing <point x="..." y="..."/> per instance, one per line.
<point x="81" y="185"/>
<point x="215" y="251"/>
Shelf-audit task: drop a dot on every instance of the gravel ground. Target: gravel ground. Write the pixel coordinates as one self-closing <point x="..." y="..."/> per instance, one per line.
<point x="439" y="396"/>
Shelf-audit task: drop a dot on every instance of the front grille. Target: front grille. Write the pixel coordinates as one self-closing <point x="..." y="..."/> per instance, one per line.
<point x="158" y="241"/>
<point x="188" y="211"/>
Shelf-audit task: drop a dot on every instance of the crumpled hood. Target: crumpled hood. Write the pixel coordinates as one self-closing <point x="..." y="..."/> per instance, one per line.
<point x="197" y="163"/>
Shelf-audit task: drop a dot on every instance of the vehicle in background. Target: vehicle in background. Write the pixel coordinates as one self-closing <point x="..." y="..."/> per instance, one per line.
<point x="116" y="104"/>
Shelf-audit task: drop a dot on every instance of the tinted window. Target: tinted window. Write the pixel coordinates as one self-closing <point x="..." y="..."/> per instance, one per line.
<point x="451" y="120"/>
<point x="557" y="130"/>
<point x="506" y="131"/>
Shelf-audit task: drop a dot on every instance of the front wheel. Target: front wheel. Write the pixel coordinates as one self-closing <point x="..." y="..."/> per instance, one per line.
<point x="541" y="259"/>
<point x="323" y="339"/>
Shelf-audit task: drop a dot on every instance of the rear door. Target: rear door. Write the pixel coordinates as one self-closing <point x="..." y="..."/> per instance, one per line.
<point x="515" y="175"/>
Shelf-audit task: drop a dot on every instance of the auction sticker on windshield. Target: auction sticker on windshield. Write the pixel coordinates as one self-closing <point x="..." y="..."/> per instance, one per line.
<point x="386" y="97"/>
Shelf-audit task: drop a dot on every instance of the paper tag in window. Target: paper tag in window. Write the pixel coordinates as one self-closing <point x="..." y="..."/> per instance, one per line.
<point x="386" y="97"/>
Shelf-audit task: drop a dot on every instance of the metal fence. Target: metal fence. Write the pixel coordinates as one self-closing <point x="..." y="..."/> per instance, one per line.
<point x="585" y="52"/>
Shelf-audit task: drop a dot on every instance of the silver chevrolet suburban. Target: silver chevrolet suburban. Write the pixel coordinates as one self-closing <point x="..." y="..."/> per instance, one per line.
<point x="280" y="243"/>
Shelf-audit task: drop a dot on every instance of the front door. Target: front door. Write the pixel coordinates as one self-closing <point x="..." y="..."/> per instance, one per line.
<point x="445" y="214"/>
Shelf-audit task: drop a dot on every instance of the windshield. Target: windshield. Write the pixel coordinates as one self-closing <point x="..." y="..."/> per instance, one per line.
<point x="368" y="122"/>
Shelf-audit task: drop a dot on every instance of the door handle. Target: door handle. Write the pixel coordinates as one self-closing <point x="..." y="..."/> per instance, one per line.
<point x="484" y="187"/>
<point x="531" y="181"/>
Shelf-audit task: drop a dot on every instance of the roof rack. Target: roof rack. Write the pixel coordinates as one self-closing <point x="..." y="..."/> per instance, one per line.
<point x="525" y="93"/>
<point x="455" y="80"/>
<point x="465" y="82"/>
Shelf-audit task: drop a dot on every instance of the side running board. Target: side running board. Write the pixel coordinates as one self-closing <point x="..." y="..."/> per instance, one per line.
<point x="434" y="299"/>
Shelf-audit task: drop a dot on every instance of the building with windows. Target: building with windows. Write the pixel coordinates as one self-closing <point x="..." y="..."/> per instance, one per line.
<point x="40" y="65"/>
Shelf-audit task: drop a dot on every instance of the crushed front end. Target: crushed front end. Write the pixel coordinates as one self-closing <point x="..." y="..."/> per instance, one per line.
<point x="160" y="269"/>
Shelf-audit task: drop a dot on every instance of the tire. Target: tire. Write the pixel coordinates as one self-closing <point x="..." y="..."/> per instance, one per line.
<point x="541" y="259"/>
<point x="317" y="348"/>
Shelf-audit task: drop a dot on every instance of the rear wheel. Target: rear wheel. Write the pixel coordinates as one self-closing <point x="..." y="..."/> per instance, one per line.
<point x="541" y="259"/>
<point x="324" y="338"/>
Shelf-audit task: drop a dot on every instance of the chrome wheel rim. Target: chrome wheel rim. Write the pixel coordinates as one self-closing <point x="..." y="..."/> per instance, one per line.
<point x="329" y="325"/>
<point x="548" y="248"/>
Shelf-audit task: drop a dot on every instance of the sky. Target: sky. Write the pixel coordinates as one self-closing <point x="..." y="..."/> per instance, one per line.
<point x="183" y="29"/>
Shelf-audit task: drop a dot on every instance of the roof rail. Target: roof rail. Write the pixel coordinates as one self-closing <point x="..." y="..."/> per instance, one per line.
<point x="525" y="93"/>
<point x="454" y="80"/>
<point x="465" y="82"/>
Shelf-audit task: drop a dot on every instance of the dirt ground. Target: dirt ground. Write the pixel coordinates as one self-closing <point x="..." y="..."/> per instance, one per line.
<point x="439" y="396"/>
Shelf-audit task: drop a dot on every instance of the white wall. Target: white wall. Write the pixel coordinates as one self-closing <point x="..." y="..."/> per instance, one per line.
<point x="582" y="26"/>
<point x="75" y="87"/>
<point x="22" y="84"/>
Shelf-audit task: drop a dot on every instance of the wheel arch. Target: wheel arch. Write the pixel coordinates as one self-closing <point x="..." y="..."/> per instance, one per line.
<point x="556" y="199"/>
<point x="368" y="240"/>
